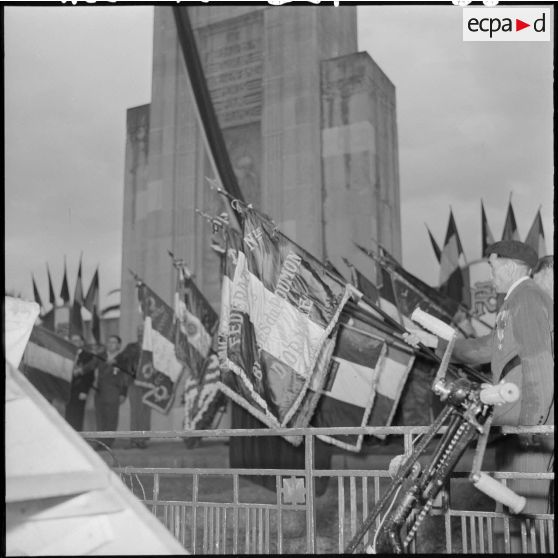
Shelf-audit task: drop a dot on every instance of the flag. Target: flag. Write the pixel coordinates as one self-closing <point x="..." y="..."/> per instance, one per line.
<point x="65" y="291"/>
<point x="435" y="247"/>
<point x="51" y="295"/>
<point x="47" y="319"/>
<point x="91" y="302"/>
<point x="277" y="316"/>
<point x="76" y="322"/>
<point x="487" y="236"/>
<point x="510" y="231"/>
<point x="535" y="236"/>
<point x="62" y="321"/>
<point x="36" y="295"/>
<point x="158" y="369"/>
<point x="362" y="283"/>
<point x="48" y="363"/>
<point x="366" y="377"/>
<point x="198" y="323"/>
<point x="452" y="280"/>
<point x="19" y="318"/>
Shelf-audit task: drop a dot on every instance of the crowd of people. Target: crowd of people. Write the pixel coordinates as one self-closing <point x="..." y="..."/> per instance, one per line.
<point x="111" y="373"/>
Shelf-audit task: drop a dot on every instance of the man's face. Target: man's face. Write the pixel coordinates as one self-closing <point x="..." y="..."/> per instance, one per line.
<point x="113" y="345"/>
<point x="77" y="341"/>
<point x="500" y="272"/>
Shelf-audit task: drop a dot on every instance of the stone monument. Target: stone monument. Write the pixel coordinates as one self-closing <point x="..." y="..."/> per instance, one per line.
<point x="310" y="127"/>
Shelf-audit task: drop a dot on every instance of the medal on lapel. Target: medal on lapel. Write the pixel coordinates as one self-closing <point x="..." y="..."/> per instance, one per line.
<point x="501" y="322"/>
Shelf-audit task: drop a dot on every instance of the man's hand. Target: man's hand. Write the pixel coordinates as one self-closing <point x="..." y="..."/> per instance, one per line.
<point x="122" y="399"/>
<point x="82" y="396"/>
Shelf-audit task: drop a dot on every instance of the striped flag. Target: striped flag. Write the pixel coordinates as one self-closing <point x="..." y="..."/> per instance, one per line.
<point x="535" y="236"/>
<point x="91" y="302"/>
<point x="435" y="247"/>
<point x="19" y="319"/>
<point x="48" y="363"/>
<point x="76" y="322"/>
<point x="65" y="290"/>
<point x="36" y="295"/>
<point x="487" y="236"/>
<point x="365" y="380"/>
<point x="452" y="276"/>
<point x="278" y="314"/>
<point x="510" y="231"/>
<point x="198" y="323"/>
<point x="51" y="295"/>
<point x="362" y="283"/>
<point x="159" y="368"/>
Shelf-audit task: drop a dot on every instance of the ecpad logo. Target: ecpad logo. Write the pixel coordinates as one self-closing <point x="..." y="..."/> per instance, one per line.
<point x="506" y="24"/>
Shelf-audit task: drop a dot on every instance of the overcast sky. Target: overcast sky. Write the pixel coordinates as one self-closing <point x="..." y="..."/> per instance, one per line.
<point x="474" y="121"/>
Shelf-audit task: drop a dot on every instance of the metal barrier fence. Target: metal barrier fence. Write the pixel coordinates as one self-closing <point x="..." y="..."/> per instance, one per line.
<point x="220" y="511"/>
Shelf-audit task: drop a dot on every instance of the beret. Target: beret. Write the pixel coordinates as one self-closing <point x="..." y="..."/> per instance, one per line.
<point x="514" y="250"/>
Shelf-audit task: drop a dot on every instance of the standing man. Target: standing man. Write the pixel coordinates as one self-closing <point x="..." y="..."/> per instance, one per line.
<point x="112" y="384"/>
<point x="140" y="413"/>
<point x="82" y="380"/>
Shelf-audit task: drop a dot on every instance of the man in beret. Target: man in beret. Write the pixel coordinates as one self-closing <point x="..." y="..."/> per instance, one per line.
<point x="520" y="350"/>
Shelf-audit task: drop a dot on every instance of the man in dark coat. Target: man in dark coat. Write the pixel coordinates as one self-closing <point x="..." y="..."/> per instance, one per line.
<point x="82" y="381"/>
<point x="140" y="413"/>
<point x="112" y="386"/>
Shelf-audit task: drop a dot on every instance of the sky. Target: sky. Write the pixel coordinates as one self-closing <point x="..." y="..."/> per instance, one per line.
<point x="474" y="121"/>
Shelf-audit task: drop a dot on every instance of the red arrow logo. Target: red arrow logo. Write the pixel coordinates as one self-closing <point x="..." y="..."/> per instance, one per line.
<point x="519" y="25"/>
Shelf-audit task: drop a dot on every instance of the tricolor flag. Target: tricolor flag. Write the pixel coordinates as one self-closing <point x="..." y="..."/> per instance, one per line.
<point x="366" y="377"/>
<point x="510" y="231"/>
<point x="198" y="324"/>
<point x="65" y="291"/>
<point x="76" y="322"/>
<point x="435" y="247"/>
<point x="362" y="283"/>
<point x="19" y="319"/>
<point x="487" y="236"/>
<point x="91" y="302"/>
<point x="36" y="295"/>
<point x="452" y="277"/>
<point x="51" y="295"/>
<point x="535" y="236"/>
<point x="159" y="368"/>
<point x="279" y="312"/>
<point x="48" y="363"/>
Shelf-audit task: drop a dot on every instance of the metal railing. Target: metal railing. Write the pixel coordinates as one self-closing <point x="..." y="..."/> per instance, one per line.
<point x="220" y="511"/>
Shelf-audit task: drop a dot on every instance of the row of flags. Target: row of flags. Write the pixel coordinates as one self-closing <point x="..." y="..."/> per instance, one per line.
<point x="70" y="310"/>
<point x="454" y="280"/>
<point x="290" y="345"/>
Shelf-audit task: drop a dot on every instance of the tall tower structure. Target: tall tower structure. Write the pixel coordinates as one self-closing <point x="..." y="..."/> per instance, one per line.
<point x="310" y="127"/>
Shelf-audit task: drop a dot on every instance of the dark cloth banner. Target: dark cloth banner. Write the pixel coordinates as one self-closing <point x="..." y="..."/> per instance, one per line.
<point x="159" y="369"/>
<point x="48" y="363"/>
<point x="278" y="313"/>
<point x="273" y="452"/>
